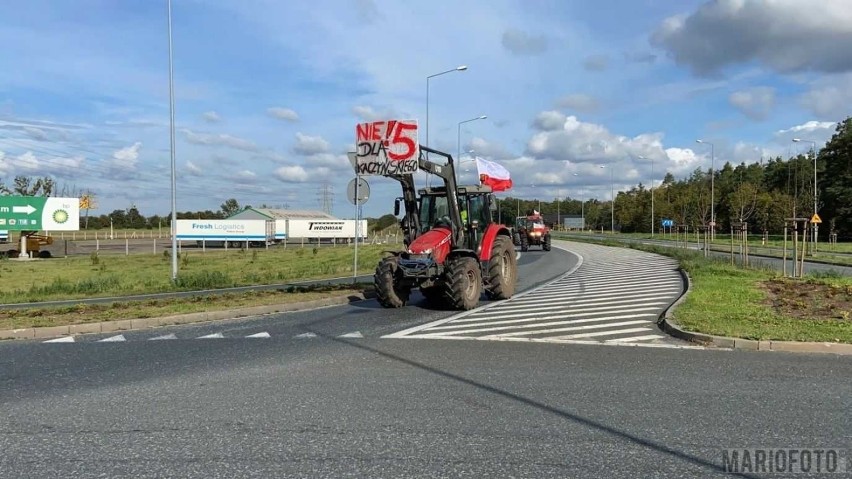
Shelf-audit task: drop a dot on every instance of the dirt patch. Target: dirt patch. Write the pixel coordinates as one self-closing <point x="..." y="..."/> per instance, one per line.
<point x="809" y="300"/>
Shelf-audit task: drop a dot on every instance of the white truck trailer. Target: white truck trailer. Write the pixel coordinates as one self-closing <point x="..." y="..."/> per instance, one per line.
<point x="227" y="233"/>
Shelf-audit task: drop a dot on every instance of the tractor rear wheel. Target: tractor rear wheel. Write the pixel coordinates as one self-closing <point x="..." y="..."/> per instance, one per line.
<point x="546" y="243"/>
<point x="390" y="290"/>
<point x="502" y="269"/>
<point x="463" y="284"/>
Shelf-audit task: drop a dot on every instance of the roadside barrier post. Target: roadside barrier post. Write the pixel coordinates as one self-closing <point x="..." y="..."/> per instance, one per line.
<point x="126" y="247"/>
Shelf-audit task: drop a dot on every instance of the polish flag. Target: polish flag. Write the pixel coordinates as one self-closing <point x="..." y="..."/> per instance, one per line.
<point x="494" y="175"/>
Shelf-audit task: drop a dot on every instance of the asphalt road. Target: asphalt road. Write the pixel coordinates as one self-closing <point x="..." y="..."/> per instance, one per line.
<point x="322" y="405"/>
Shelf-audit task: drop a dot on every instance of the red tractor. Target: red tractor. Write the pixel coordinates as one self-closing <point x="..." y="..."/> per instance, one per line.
<point x="531" y="230"/>
<point x="454" y="250"/>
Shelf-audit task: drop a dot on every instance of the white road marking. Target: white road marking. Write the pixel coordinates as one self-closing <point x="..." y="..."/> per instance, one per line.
<point x="595" y="293"/>
<point x="603" y="333"/>
<point x="113" y="339"/>
<point x="563" y="304"/>
<point x="520" y="318"/>
<point x="576" y="328"/>
<point x="212" y="336"/>
<point x="635" y="338"/>
<point x="552" y="323"/>
<point x="305" y="335"/>
<point x="64" y="339"/>
<point x="354" y="334"/>
<point x="167" y="336"/>
<point x="259" y="335"/>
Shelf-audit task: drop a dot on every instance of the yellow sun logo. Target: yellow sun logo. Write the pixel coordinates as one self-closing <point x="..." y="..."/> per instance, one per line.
<point x="60" y="216"/>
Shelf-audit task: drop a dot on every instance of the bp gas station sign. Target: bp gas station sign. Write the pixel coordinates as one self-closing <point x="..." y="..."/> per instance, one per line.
<point x="38" y="213"/>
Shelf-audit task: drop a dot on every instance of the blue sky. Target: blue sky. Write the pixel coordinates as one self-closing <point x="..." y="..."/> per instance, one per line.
<point x="268" y="92"/>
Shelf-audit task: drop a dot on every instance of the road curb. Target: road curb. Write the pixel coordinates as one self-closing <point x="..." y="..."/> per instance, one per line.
<point x="671" y="327"/>
<point x="146" y="323"/>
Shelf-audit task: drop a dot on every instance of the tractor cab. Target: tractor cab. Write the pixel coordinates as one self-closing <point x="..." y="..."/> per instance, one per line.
<point x="475" y="204"/>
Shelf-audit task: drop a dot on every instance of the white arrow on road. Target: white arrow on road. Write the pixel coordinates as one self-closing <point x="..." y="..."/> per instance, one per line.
<point x="27" y="210"/>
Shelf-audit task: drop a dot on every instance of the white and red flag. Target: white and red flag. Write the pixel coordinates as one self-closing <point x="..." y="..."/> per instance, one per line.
<point x="494" y="175"/>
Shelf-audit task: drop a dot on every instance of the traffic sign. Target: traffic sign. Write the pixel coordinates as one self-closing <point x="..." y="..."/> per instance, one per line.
<point x="816" y="219"/>
<point x="667" y="223"/>
<point x="363" y="191"/>
<point x="39" y="213"/>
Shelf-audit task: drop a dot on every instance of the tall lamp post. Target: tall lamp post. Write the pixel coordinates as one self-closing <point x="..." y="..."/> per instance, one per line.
<point x="458" y="138"/>
<point x="813" y="151"/>
<point x="612" y="200"/>
<point x="712" y="188"/>
<point x="459" y="68"/>
<point x="652" y="192"/>
<point x="172" y="148"/>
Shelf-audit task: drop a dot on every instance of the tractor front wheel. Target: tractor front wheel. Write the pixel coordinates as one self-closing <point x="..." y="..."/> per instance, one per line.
<point x="502" y="269"/>
<point x="525" y="242"/>
<point x="390" y="290"/>
<point x="546" y="244"/>
<point x="463" y="284"/>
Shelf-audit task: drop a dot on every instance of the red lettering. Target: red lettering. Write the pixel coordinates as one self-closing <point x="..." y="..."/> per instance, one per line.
<point x="376" y="134"/>
<point x="361" y="132"/>
<point x="398" y="138"/>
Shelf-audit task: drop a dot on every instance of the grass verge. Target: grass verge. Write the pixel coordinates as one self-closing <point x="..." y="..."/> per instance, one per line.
<point x="91" y="313"/>
<point x="731" y="301"/>
<point x="94" y="276"/>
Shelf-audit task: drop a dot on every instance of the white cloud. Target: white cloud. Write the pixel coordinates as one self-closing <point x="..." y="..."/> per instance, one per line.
<point x="368" y="113"/>
<point x="808" y="127"/>
<point x="26" y="162"/>
<point x="578" y="102"/>
<point x="193" y="169"/>
<point x="486" y="149"/>
<point x="786" y="35"/>
<point x="246" y="176"/>
<point x="219" y="140"/>
<point x="818" y="131"/>
<point x="549" y="121"/>
<point x="292" y="174"/>
<point x="756" y="103"/>
<point x="211" y="117"/>
<point x="126" y="158"/>
<point x="283" y="113"/>
<point x="519" y="42"/>
<point x="310" y="145"/>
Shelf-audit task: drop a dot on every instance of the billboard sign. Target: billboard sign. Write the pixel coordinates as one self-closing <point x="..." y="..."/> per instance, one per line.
<point x="386" y="147"/>
<point x="39" y="213"/>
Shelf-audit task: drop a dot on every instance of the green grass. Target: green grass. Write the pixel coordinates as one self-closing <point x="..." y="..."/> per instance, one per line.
<point x="730" y="301"/>
<point x="92" y="276"/>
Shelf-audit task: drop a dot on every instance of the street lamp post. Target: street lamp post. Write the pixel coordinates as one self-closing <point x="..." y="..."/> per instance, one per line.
<point x="813" y="151"/>
<point x="712" y="188"/>
<point x="458" y="138"/>
<point x="612" y="199"/>
<point x="459" y="68"/>
<point x="172" y="148"/>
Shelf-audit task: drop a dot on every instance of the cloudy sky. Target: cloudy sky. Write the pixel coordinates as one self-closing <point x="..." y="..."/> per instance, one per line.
<point x="268" y="92"/>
